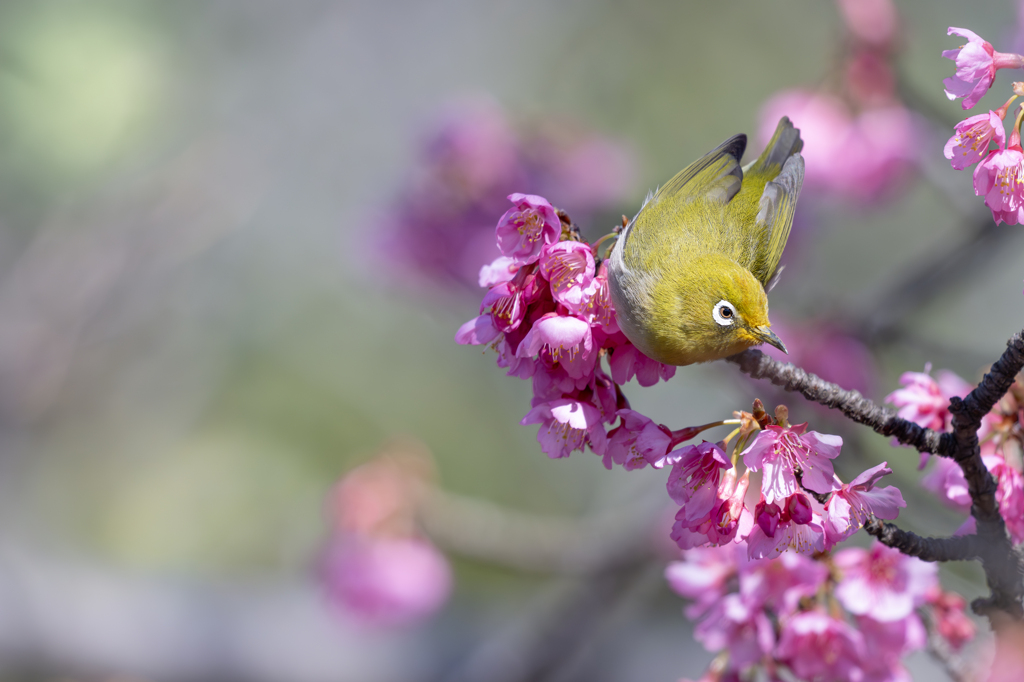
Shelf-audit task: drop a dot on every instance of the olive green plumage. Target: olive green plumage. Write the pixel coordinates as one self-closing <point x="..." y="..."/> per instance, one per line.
<point x="688" y="275"/>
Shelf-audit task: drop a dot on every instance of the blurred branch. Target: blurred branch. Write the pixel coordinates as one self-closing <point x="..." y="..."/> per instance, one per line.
<point x="539" y="544"/>
<point x="939" y="649"/>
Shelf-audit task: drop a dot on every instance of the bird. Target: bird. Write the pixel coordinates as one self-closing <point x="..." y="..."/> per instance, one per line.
<point x="689" y="274"/>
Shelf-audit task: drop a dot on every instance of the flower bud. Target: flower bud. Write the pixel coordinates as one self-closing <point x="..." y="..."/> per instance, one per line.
<point x="767" y="516"/>
<point x="799" y="508"/>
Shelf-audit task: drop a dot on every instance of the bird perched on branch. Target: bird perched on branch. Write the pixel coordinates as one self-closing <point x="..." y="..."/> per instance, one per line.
<point x="689" y="273"/>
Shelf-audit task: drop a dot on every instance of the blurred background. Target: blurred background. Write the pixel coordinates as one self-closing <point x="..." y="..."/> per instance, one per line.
<point x="236" y="239"/>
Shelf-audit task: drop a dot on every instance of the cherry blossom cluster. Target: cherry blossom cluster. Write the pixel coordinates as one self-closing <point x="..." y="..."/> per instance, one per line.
<point x="548" y="315"/>
<point x="852" y="615"/>
<point x="924" y="400"/>
<point x="860" y="141"/>
<point x="376" y="567"/>
<point x="998" y="175"/>
<point x="440" y="227"/>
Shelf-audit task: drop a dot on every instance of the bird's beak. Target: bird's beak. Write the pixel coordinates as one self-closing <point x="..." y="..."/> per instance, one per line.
<point x="768" y="336"/>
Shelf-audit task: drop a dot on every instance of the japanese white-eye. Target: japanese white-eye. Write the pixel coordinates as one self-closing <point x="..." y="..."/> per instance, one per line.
<point x="689" y="273"/>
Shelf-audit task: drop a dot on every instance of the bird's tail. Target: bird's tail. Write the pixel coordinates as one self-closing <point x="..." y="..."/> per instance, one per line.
<point x="784" y="143"/>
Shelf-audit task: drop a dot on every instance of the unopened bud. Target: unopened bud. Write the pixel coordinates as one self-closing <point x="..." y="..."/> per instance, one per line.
<point x="767" y="516"/>
<point x="782" y="415"/>
<point x="799" y="508"/>
<point x="1018" y="88"/>
<point x="759" y="413"/>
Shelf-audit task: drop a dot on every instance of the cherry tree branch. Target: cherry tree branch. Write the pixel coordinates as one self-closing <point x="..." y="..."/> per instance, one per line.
<point x="851" y="403"/>
<point x="1003" y="565"/>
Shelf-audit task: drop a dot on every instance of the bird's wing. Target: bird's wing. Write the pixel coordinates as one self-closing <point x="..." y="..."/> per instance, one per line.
<point x="775" y="217"/>
<point x="716" y="175"/>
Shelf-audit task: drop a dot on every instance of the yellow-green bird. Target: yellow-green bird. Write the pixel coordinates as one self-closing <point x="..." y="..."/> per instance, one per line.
<point x="689" y="273"/>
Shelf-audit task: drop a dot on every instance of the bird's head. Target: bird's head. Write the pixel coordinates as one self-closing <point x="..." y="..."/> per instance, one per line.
<point x="708" y="308"/>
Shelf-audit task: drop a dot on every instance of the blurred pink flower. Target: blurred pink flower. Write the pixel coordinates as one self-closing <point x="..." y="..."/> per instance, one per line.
<point x="976" y="66"/>
<point x="386" y="581"/>
<point x="949" y="614"/>
<point x="925" y="401"/>
<point x="740" y="627"/>
<point x="946" y="480"/>
<point x="861" y="157"/>
<point x="872" y="21"/>
<point x="524" y="229"/>
<point x="886" y="642"/>
<point x="782" y="582"/>
<point x="781" y="450"/>
<point x="882" y="583"/>
<point x="817" y="646"/>
<point x="970" y="142"/>
<point x="854" y="503"/>
<point x="702" y="576"/>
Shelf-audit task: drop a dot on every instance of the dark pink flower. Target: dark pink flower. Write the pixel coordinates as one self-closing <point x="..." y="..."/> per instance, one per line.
<point x="781" y="451"/>
<point x="882" y="583"/>
<point x="850" y="506"/>
<point x="637" y="442"/>
<point x="693" y="481"/>
<point x="567" y="425"/>
<point x="627" y="361"/>
<point x="818" y="647"/>
<point x="569" y="267"/>
<point x="976" y="66"/>
<point x="599" y="310"/>
<point x="386" y="581"/>
<point x="507" y="302"/>
<point x="525" y="229"/>
<point x="1000" y="179"/>
<point x="973" y="135"/>
<point x="949" y="613"/>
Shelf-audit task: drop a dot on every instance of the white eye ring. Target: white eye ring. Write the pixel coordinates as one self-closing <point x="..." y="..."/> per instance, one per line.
<point x="724" y="313"/>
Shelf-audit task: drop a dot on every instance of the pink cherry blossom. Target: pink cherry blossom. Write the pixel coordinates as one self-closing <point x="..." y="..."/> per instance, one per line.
<point x="782" y="582"/>
<point x="525" y="229"/>
<point x="627" y="361"/>
<point x="883" y="583"/>
<point x="1000" y="179"/>
<point x="727" y="520"/>
<point x="569" y="267"/>
<point x="693" y="481"/>
<point x="738" y="626"/>
<point x="567" y="339"/>
<point x="851" y="506"/>
<point x="792" y="526"/>
<point x="970" y="142"/>
<point x="567" y="425"/>
<point x="780" y="451"/>
<point x="886" y="642"/>
<point x="818" y="647"/>
<point x="702" y="576"/>
<point x="924" y="400"/>
<point x="478" y="331"/>
<point x="637" y="442"/>
<point x="501" y="269"/>
<point x="976" y="66"/>
<point x="386" y="581"/>
<point x="599" y="310"/>
<point x="1009" y="494"/>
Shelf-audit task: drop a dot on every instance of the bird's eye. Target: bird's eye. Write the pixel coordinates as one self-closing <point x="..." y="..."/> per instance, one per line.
<point x="723" y="313"/>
